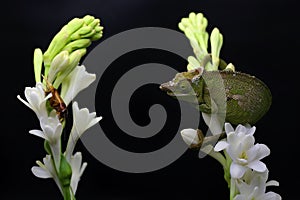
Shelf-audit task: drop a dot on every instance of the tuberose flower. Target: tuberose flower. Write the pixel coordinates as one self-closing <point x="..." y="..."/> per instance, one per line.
<point x="253" y="187"/>
<point x="82" y="120"/>
<point x="51" y="131"/>
<point x="36" y="99"/>
<point x="46" y="170"/>
<point x="240" y="147"/>
<point x="77" y="170"/>
<point x="76" y="81"/>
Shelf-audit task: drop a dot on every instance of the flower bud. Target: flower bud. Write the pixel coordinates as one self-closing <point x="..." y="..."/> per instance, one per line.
<point x="193" y="138"/>
<point x="37" y="63"/>
<point x="59" y="63"/>
<point x="65" y="172"/>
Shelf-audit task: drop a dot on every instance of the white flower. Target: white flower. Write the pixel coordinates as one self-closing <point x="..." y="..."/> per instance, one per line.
<point x="82" y="120"/>
<point x="77" y="170"/>
<point x="76" y="81"/>
<point x="51" y="126"/>
<point x="36" y="99"/>
<point x="240" y="147"/>
<point x="46" y="170"/>
<point x="190" y="137"/>
<point x="51" y="131"/>
<point x="253" y="187"/>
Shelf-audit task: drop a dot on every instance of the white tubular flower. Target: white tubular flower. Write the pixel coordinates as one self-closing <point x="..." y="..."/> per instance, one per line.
<point x="46" y="170"/>
<point x="77" y="170"/>
<point x="52" y="130"/>
<point x="76" y="81"/>
<point x="82" y="120"/>
<point x="253" y="187"/>
<point x="36" y="99"/>
<point x="190" y="137"/>
<point x="240" y="147"/>
<point x="51" y="126"/>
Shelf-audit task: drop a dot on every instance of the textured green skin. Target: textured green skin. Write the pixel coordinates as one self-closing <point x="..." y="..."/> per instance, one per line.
<point x="246" y="97"/>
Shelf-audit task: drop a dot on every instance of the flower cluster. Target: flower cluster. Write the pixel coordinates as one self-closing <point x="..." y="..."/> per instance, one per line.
<point x="194" y="27"/>
<point x="247" y="171"/>
<point x="63" y="79"/>
<point x="241" y="158"/>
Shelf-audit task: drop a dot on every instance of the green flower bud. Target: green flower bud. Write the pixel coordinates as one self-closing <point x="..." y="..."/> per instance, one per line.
<point x="65" y="172"/>
<point x="89" y="34"/>
<point x="37" y="63"/>
<point x="77" y="44"/>
<point x="193" y="63"/>
<point x="82" y="31"/>
<point x="230" y="67"/>
<point x="216" y="41"/>
<point x="99" y="29"/>
<point x="59" y="63"/>
<point x="61" y="39"/>
<point x="73" y="26"/>
<point x="74" y="59"/>
<point x="94" y="23"/>
<point x="96" y="37"/>
<point x="88" y="19"/>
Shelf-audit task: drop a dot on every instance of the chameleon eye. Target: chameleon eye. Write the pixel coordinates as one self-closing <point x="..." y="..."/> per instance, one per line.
<point x="184" y="85"/>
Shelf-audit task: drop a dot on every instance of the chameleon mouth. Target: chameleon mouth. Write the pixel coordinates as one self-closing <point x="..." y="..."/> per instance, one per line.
<point x="166" y="87"/>
<point x="169" y="89"/>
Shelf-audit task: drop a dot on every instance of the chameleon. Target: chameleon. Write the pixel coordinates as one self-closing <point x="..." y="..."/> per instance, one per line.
<point x="246" y="98"/>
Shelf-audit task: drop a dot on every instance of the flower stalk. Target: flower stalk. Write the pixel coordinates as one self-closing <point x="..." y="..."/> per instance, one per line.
<point x="63" y="79"/>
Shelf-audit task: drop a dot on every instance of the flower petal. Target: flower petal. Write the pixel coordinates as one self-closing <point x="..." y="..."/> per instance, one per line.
<point x="93" y="122"/>
<point x="257" y="152"/>
<point x="228" y="128"/>
<point x="236" y="170"/>
<point x="272" y="183"/>
<point x="251" y="130"/>
<point x="41" y="172"/>
<point x="257" y="166"/>
<point x="271" y="196"/>
<point x="25" y="102"/>
<point x="76" y="81"/>
<point x="39" y="134"/>
<point x="221" y="145"/>
<point x="263" y="151"/>
<point x="240" y="128"/>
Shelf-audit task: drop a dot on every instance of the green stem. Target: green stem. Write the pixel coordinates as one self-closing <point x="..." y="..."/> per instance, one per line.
<point x="227" y="168"/>
<point x="232" y="189"/>
<point x="218" y="157"/>
<point x="230" y="181"/>
<point x="68" y="194"/>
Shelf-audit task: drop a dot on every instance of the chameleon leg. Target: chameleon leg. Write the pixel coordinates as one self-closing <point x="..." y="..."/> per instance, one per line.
<point x="205" y="108"/>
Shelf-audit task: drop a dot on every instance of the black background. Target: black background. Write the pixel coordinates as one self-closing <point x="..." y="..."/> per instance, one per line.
<point x="260" y="38"/>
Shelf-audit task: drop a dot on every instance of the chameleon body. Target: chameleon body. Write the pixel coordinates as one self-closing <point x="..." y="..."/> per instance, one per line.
<point x="243" y="98"/>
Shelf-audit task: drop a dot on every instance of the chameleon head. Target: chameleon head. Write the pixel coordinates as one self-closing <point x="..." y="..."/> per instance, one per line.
<point x="184" y="85"/>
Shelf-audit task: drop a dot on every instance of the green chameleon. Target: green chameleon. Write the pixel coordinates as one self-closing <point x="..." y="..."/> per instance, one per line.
<point x="246" y="98"/>
<point x="212" y="85"/>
